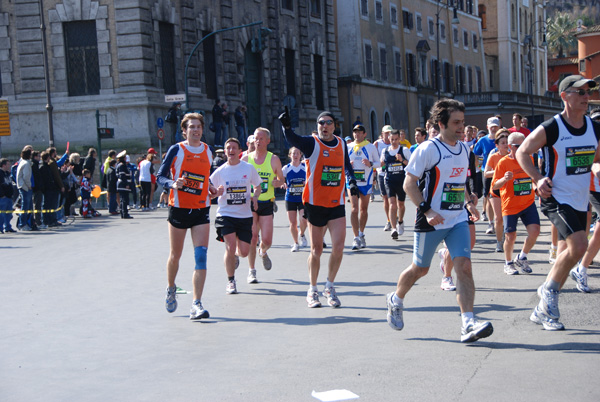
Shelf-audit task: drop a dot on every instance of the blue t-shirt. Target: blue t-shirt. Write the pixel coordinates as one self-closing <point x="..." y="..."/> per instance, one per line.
<point x="295" y="177"/>
<point x="483" y="148"/>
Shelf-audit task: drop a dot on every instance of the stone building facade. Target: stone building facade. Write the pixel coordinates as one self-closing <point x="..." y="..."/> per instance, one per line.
<point x="388" y="59"/>
<point x="122" y="57"/>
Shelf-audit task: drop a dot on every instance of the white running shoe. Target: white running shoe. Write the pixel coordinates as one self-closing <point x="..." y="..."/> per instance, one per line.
<point x="198" y="312"/>
<point x="549" y="324"/>
<point x="388" y="227"/>
<point x="580" y="279"/>
<point x="266" y="261"/>
<point x="448" y="284"/>
<point x="395" y="234"/>
<point x="400" y="229"/>
<point x="490" y="229"/>
<point x="548" y="302"/>
<point x="363" y="242"/>
<point x="475" y="330"/>
<point x="231" y="289"/>
<point x="509" y="269"/>
<point x="355" y="244"/>
<point x="331" y="296"/>
<point x="303" y="241"/>
<point x="394" y="314"/>
<point x="295" y="247"/>
<point x="552" y="255"/>
<point x="523" y="265"/>
<point x="252" y="276"/>
<point x="312" y="298"/>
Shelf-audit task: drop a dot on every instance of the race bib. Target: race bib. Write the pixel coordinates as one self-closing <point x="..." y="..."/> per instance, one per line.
<point x="522" y="186"/>
<point x="396" y="168"/>
<point x="296" y="188"/>
<point x="236" y="195"/>
<point x="264" y="186"/>
<point x="331" y="176"/>
<point x="359" y="174"/>
<point x="453" y="196"/>
<point x="193" y="183"/>
<point x="579" y="159"/>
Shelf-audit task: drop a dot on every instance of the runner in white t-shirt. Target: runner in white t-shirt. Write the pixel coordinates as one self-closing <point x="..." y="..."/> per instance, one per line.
<point x="234" y="216"/>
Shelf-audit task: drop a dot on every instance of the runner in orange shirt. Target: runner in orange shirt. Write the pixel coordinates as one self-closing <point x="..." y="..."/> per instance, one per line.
<point x="518" y="201"/>
<point x="495" y="225"/>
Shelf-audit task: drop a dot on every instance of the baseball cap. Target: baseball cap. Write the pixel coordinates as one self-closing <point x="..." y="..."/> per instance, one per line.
<point x="250" y="138"/>
<point x="595" y="115"/>
<point x="493" y="121"/>
<point x="122" y="154"/>
<point x="386" y="128"/>
<point x="152" y="151"/>
<point x="348" y="138"/>
<point x="575" y="81"/>
<point x="359" y="127"/>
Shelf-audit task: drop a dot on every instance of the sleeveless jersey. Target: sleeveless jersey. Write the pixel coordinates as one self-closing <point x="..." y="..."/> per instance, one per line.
<point x="295" y="177"/>
<point x="194" y="167"/>
<point x="442" y="181"/>
<point x="265" y="171"/>
<point x="594" y="184"/>
<point x="394" y="172"/>
<point x="568" y="163"/>
<point x="325" y="175"/>
<point x="380" y="146"/>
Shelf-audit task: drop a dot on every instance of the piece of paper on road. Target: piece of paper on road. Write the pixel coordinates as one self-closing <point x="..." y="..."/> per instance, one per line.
<point x="334" y="395"/>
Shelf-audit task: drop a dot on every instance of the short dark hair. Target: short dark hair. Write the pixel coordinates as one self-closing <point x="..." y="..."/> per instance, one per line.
<point x="26" y="154"/>
<point x="45" y="155"/>
<point x="112" y="162"/>
<point x="519" y="115"/>
<point x="3" y="162"/>
<point x="234" y="140"/>
<point x="442" y="109"/>
<point x="112" y="153"/>
<point x="51" y="151"/>
<point x="85" y="171"/>
<point x="421" y="130"/>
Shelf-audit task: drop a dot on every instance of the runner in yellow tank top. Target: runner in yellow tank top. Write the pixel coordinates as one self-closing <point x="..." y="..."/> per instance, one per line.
<point x="270" y="171"/>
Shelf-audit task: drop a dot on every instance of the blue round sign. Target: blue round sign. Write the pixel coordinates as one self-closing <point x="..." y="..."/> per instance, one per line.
<point x="160" y="122"/>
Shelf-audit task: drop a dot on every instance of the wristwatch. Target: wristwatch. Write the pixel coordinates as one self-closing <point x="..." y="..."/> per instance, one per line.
<point x="424" y="207"/>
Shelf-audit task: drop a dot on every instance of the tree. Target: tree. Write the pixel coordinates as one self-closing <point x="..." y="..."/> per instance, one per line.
<point x="560" y="34"/>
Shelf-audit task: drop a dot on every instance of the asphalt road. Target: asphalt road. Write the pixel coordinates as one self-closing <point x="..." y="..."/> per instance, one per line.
<point x="83" y="318"/>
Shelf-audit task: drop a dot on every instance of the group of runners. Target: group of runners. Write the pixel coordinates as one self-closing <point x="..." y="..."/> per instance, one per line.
<point x="438" y="177"/>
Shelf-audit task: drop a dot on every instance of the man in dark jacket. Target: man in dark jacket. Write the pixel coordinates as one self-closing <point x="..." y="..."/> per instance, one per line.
<point x="50" y="192"/>
<point x="6" y="192"/>
<point x="58" y="186"/>
<point x="38" y="187"/>
<point x="111" y="178"/>
<point x="217" y="119"/>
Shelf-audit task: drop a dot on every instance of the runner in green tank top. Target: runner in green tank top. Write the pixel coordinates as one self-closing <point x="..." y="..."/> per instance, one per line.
<point x="270" y="171"/>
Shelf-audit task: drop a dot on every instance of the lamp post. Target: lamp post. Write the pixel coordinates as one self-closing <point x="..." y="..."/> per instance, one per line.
<point x="49" y="106"/>
<point x="455" y="21"/>
<point x="528" y="41"/>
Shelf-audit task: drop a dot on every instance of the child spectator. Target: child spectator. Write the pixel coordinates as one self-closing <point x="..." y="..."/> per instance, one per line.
<point x="86" y="193"/>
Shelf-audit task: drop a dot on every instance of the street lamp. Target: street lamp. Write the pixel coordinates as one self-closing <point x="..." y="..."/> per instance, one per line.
<point x="455" y="21"/>
<point x="528" y="41"/>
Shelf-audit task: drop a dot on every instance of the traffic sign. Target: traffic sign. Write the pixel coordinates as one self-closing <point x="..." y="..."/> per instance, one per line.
<point x="160" y="134"/>
<point x="175" y="98"/>
<point x="105" y="132"/>
<point x="160" y="122"/>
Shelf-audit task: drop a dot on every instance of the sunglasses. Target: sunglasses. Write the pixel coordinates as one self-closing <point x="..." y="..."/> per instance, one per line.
<point x="323" y="122"/>
<point x="581" y="92"/>
<point x="515" y="145"/>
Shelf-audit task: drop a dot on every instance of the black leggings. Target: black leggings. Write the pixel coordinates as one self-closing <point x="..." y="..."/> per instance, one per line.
<point x="145" y="193"/>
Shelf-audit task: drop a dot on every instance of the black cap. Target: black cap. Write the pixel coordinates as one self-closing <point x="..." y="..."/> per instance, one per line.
<point x="575" y="81"/>
<point x="359" y="127"/>
<point x="326" y="114"/>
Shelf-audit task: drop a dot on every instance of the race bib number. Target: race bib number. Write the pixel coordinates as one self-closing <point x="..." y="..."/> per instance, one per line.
<point x="331" y="176"/>
<point x="296" y="188"/>
<point x="479" y="162"/>
<point x="193" y="183"/>
<point x="236" y="195"/>
<point x="359" y="174"/>
<point x="395" y="168"/>
<point x="453" y="196"/>
<point x="264" y="186"/>
<point x="580" y="159"/>
<point x="522" y="186"/>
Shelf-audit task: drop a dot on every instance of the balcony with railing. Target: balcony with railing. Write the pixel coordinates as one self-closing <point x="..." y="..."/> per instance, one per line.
<point x="508" y="98"/>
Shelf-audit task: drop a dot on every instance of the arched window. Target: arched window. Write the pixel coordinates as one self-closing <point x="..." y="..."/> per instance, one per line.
<point x="512" y="17"/>
<point x="373" y="125"/>
<point x="514" y="66"/>
<point x="483" y="16"/>
<point x="386" y="118"/>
